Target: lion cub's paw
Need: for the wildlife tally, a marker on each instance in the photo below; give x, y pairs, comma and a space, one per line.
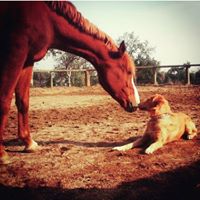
149, 150
119, 148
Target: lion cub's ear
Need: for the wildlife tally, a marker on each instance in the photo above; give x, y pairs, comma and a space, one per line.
158, 98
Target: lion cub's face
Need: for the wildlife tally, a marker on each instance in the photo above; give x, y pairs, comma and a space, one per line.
155, 105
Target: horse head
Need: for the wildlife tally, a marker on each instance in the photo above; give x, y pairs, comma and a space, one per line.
117, 78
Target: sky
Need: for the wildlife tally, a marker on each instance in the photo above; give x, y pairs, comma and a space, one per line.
171, 27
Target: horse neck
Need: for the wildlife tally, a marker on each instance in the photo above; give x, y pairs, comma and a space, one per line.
71, 39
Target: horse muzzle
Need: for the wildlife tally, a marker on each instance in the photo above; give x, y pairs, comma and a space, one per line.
130, 107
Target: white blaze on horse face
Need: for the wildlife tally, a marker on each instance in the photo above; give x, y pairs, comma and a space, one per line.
136, 94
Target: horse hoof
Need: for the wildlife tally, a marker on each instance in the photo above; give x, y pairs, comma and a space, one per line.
4, 160
32, 147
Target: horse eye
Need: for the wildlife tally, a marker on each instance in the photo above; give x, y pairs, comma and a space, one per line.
130, 72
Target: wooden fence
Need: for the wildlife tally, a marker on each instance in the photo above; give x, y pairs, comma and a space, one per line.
155, 70
87, 73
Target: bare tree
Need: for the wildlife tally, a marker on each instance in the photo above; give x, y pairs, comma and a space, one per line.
68, 61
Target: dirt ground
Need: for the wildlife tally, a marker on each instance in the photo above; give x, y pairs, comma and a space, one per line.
76, 129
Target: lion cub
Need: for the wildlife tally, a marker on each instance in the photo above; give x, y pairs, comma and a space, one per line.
163, 127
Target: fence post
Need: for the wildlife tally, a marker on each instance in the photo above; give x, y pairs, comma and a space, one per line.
51, 77
135, 79
32, 79
87, 78
69, 73
155, 76
187, 73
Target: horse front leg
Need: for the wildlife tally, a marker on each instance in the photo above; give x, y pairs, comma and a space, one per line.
8, 80
22, 102
11, 63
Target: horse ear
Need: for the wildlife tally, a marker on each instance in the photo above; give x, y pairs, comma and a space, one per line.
122, 48
120, 52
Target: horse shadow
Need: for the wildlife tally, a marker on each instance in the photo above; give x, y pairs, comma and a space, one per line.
181, 183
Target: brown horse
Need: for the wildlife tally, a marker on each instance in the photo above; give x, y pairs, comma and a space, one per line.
28, 30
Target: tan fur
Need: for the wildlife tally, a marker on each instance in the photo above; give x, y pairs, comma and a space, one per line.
163, 127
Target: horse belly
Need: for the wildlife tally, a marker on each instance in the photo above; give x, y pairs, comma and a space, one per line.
39, 55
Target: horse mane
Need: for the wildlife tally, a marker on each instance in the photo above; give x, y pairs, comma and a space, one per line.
67, 10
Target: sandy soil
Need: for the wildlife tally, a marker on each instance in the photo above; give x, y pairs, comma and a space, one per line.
76, 129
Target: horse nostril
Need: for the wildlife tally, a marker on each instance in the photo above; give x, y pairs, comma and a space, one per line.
130, 107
